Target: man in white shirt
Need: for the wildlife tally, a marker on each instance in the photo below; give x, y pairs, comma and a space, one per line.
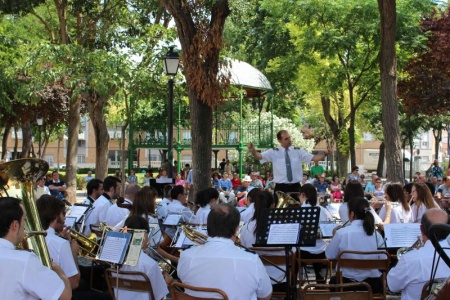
41, 188
111, 187
178, 204
161, 209
61, 250
115, 213
22, 275
413, 269
94, 190
57, 187
241, 274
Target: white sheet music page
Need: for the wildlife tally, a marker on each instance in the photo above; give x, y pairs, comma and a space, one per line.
401, 234
283, 234
172, 219
115, 246
76, 211
327, 228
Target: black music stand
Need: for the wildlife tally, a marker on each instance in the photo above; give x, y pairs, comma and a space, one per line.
307, 219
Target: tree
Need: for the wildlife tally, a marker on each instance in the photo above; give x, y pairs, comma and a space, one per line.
200, 27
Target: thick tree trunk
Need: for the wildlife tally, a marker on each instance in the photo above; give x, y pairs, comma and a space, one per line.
6, 132
388, 69
72, 148
381, 157
95, 107
26, 139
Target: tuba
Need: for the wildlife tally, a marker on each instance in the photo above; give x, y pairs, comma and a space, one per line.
285, 201
23, 173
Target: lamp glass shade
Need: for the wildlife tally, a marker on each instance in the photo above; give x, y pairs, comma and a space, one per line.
171, 65
39, 121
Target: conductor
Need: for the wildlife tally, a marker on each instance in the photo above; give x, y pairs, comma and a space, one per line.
287, 162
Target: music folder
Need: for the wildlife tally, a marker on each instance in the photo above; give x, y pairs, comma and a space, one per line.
115, 247
400, 235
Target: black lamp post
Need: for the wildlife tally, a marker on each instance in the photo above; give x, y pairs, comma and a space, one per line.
171, 62
39, 121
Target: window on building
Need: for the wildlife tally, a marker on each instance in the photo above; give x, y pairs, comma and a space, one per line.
81, 159
82, 143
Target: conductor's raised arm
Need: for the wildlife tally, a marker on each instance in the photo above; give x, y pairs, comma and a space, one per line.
253, 151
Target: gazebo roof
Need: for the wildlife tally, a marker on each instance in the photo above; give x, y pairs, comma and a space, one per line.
249, 78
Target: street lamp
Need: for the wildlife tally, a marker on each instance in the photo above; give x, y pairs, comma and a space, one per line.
39, 121
171, 63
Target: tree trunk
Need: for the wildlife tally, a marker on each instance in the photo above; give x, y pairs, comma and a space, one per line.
342, 164
95, 107
381, 157
437, 133
26, 139
388, 70
6, 132
201, 122
72, 148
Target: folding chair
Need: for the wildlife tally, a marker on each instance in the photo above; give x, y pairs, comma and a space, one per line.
309, 261
322, 291
382, 264
137, 285
178, 294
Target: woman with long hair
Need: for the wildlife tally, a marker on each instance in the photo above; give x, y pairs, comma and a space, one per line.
422, 200
396, 208
360, 235
206, 199
308, 197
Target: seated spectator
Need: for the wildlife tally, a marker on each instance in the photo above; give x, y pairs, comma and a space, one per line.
179, 180
256, 182
270, 184
226, 190
243, 191
236, 182
57, 187
335, 187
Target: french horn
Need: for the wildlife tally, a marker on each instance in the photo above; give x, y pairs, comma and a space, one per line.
285, 201
23, 173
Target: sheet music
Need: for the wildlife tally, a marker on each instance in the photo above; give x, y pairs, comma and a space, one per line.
172, 219
401, 234
163, 180
77, 211
327, 228
115, 246
283, 234
135, 247
70, 221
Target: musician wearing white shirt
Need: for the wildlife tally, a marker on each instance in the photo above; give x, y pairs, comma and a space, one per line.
22, 275
178, 204
94, 189
354, 189
396, 209
414, 268
360, 235
61, 250
206, 199
161, 209
248, 213
422, 201
220, 264
111, 186
119, 210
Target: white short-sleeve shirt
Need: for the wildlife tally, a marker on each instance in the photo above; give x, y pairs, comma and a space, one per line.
413, 271
151, 268
98, 213
61, 253
220, 264
115, 213
353, 237
22, 275
176, 207
343, 213
278, 158
398, 213
161, 209
248, 213
201, 217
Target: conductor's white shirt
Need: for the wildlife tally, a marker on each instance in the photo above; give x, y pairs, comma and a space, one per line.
151, 268
220, 264
413, 271
278, 158
22, 275
61, 253
353, 237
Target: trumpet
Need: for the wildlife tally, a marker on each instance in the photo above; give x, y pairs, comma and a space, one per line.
377, 201
417, 244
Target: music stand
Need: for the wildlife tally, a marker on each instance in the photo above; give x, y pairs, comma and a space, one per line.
288, 227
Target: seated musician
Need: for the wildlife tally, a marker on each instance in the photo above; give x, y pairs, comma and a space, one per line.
360, 235
119, 210
248, 213
94, 189
146, 265
178, 204
161, 209
308, 197
414, 268
22, 275
220, 264
206, 199
396, 209
247, 237
62, 250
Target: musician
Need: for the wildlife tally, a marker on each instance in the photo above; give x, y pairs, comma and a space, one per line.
146, 265
354, 189
220, 264
119, 210
360, 235
414, 268
248, 213
94, 189
63, 251
111, 186
422, 201
178, 204
206, 199
396, 209
22, 275
161, 209
287, 178
308, 197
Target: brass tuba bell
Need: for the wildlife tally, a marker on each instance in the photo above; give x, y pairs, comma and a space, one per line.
285, 201
23, 173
